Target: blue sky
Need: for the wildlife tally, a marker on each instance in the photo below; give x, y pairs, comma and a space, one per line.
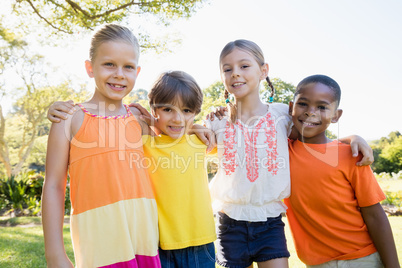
358, 43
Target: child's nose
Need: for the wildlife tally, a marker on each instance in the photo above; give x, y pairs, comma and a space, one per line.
311, 112
235, 73
177, 116
119, 73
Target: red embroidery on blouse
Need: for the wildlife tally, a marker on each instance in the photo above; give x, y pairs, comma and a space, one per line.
229, 163
250, 141
272, 153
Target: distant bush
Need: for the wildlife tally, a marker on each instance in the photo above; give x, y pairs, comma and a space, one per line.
21, 195
393, 198
389, 176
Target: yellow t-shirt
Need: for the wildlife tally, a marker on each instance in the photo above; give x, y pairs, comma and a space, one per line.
177, 169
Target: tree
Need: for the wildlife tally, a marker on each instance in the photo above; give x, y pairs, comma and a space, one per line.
67, 16
283, 91
388, 153
28, 122
137, 95
33, 98
213, 98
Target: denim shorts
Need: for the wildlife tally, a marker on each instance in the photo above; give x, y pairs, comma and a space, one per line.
195, 257
240, 243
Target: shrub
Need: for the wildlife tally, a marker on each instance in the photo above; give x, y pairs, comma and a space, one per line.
20, 195
13, 191
35, 184
393, 198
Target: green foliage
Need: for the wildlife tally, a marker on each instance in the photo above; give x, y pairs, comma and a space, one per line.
14, 192
136, 96
330, 134
213, 98
393, 198
20, 195
71, 16
283, 91
388, 153
60, 19
67, 201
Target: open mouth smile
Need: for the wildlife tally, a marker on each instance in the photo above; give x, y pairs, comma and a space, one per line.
309, 124
116, 86
238, 84
176, 129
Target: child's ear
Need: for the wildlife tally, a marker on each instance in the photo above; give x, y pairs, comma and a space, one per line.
138, 69
290, 107
264, 70
153, 113
338, 114
88, 67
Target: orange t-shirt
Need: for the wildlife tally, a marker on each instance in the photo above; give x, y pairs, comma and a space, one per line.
327, 189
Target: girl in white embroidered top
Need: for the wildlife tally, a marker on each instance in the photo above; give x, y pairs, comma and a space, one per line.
253, 176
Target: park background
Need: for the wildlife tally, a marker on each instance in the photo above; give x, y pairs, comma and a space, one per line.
358, 43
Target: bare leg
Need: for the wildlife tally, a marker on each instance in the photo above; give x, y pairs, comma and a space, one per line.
275, 263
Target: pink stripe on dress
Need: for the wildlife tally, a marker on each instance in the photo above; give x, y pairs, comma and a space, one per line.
140, 261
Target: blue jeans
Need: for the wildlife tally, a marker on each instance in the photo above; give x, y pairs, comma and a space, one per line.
195, 257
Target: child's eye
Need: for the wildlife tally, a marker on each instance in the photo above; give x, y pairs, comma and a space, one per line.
245, 66
226, 70
302, 104
167, 109
322, 107
109, 64
187, 111
129, 67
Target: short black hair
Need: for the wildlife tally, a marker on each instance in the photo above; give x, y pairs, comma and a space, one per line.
323, 79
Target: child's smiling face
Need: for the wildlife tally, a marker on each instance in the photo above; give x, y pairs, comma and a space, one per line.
115, 69
241, 74
314, 109
174, 120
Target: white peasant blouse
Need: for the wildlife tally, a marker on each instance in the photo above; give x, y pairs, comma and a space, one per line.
253, 175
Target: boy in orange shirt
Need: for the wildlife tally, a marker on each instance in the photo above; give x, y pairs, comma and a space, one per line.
334, 211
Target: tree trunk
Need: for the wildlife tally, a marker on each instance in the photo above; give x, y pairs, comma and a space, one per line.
4, 154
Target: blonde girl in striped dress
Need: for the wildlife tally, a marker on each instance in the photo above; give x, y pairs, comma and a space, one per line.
114, 219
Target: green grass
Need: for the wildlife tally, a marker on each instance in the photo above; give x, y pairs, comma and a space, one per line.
7, 222
22, 247
294, 262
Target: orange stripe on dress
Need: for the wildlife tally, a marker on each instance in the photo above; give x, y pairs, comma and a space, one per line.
106, 163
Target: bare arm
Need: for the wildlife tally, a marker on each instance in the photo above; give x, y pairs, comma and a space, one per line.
54, 193
358, 144
381, 233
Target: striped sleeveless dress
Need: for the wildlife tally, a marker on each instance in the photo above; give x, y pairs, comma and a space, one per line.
114, 220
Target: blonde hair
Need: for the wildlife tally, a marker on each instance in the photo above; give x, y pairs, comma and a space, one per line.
256, 52
112, 32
